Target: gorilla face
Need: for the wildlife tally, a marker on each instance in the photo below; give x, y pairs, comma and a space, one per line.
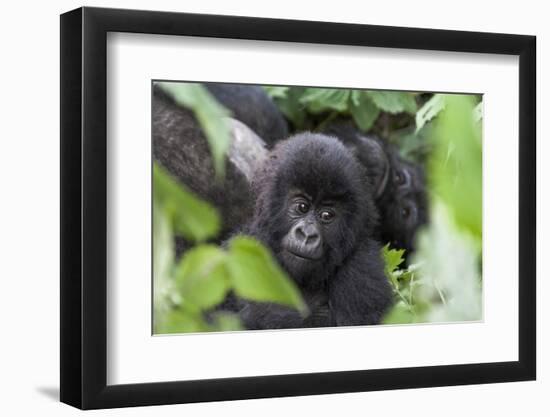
311, 226
312, 206
406, 206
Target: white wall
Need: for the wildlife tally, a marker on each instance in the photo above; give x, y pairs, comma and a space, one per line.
30, 205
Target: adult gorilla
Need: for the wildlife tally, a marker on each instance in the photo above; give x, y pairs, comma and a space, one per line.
315, 213
399, 186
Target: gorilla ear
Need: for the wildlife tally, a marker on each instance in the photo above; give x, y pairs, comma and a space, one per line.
247, 150
379, 163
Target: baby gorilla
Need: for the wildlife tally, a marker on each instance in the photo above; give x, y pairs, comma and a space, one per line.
314, 213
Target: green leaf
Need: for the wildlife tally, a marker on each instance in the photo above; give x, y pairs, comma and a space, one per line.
393, 101
455, 166
449, 268
478, 112
363, 110
291, 107
429, 110
178, 321
210, 115
319, 100
276, 91
392, 258
400, 314
202, 276
193, 218
224, 322
255, 275
163, 263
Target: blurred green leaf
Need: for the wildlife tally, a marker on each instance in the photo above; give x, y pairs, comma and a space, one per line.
400, 314
255, 275
210, 115
429, 110
202, 277
319, 100
363, 110
178, 321
449, 265
224, 322
478, 111
193, 218
393, 101
455, 166
163, 262
276, 91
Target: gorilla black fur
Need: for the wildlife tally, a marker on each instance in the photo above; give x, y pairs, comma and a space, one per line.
344, 286
400, 186
251, 105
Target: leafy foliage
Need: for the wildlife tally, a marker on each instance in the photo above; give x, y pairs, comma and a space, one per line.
443, 283
313, 107
429, 110
186, 289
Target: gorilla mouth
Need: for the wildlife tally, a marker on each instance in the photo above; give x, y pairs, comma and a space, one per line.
304, 256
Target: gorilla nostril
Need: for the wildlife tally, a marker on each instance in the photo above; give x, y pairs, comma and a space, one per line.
312, 240
300, 234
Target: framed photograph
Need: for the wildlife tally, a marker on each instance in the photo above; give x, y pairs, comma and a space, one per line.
258, 208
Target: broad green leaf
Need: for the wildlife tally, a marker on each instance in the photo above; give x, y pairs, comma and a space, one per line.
163, 263
210, 115
276, 91
363, 110
319, 100
193, 218
455, 167
178, 321
202, 276
393, 101
429, 110
255, 275
291, 107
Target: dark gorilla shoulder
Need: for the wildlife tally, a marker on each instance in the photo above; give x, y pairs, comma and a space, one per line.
251, 105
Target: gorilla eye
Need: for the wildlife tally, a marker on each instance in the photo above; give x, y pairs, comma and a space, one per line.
302, 207
405, 212
326, 215
399, 178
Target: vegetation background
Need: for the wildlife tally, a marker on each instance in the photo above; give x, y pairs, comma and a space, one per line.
442, 283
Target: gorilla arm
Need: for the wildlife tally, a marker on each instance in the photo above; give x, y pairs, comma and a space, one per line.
257, 315
360, 293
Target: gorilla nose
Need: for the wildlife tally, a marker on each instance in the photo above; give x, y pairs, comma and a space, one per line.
308, 235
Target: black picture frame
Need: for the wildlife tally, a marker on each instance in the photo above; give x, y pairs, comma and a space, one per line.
84, 207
